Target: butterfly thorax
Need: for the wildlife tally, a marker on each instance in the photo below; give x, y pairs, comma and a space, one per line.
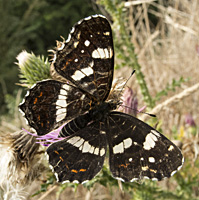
99, 112
96, 113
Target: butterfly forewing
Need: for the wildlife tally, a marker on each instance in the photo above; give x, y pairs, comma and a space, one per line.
87, 57
50, 103
79, 157
138, 151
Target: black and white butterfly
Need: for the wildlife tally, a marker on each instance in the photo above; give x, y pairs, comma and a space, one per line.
86, 62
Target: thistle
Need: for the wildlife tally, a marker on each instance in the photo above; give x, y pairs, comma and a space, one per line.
130, 102
33, 68
189, 121
47, 139
20, 161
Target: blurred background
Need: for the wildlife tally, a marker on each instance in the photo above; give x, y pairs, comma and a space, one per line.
160, 39
33, 26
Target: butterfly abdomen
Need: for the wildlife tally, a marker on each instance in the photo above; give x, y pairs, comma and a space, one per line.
75, 125
98, 113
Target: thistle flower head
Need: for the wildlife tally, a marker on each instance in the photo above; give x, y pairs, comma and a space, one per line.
6, 158
130, 102
189, 120
23, 59
47, 139
20, 162
33, 68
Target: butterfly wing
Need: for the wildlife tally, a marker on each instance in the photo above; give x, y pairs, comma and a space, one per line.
86, 60
79, 157
48, 104
87, 57
138, 151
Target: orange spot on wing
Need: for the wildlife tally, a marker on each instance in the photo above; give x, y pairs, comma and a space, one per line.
66, 64
82, 170
67, 166
42, 124
41, 93
35, 101
39, 117
56, 152
61, 158
75, 171
90, 104
125, 166
64, 67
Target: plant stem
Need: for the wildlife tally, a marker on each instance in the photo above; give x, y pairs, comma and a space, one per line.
116, 10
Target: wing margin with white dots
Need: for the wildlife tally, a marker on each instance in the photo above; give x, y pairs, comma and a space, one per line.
79, 157
137, 151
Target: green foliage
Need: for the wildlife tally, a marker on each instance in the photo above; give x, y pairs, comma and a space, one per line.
32, 68
32, 25
170, 87
124, 47
11, 103
44, 187
188, 180
143, 190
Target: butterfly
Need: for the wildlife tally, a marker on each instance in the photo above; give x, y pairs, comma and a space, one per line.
85, 61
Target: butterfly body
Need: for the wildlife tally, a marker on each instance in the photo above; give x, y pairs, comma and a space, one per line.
86, 63
97, 113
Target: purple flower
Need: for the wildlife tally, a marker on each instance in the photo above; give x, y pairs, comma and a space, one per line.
189, 120
49, 138
130, 102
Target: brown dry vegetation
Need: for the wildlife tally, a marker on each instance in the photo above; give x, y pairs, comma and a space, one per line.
169, 51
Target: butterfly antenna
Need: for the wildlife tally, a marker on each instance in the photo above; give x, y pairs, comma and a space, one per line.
151, 115
126, 82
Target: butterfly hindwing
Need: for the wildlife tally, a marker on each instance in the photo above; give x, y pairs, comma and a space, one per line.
79, 157
87, 57
50, 103
138, 151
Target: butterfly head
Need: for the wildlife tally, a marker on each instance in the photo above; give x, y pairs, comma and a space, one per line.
113, 104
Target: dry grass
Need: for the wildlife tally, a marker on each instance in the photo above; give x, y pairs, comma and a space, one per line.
166, 51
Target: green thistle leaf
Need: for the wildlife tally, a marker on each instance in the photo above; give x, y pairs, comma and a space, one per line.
32, 68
